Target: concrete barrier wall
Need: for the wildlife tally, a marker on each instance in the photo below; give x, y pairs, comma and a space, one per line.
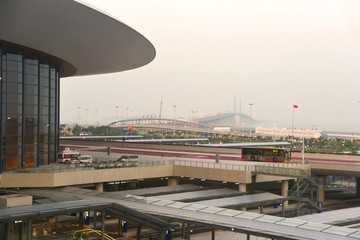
25, 180
213, 174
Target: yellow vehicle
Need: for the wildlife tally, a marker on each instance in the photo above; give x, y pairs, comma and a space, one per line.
267, 154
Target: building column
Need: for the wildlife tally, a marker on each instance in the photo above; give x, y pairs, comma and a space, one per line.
120, 227
213, 234
138, 232
320, 193
95, 219
172, 181
99, 187
358, 186
28, 229
284, 190
188, 231
81, 220
183, 230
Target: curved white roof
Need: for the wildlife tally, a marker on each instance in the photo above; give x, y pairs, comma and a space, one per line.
84, 37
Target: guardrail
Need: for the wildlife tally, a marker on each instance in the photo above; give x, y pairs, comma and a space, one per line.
282, 171
230, 166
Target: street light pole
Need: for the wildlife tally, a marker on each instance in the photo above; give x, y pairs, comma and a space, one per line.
117, 113
79, 114
95, 116
86, 116
250, 104
174, 118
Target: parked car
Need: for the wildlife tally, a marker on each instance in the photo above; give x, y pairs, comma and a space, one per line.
82, 159
128, 158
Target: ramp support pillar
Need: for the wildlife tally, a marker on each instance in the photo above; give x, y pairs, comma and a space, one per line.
242, 187
172, 181
320, 193
99, 187
284, 190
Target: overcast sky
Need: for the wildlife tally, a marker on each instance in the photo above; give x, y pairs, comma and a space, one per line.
270, 53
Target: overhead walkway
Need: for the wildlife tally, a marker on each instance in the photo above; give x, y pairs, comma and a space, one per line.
242, 201
222, 193
342, 217
155, 191
220, 218
25, 215
68, 175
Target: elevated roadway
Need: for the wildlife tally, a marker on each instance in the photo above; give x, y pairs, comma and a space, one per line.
321, 164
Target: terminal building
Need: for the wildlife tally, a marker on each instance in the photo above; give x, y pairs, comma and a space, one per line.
278, 133
41, 42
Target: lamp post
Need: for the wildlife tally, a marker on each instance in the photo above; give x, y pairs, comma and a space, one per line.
79, 114
86, 116
95, 116
174, 118
117, 113
127, 113
250, 104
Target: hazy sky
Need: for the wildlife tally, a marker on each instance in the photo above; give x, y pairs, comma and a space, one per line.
270, 53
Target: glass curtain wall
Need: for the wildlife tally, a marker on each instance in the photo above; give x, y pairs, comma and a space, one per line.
29, 87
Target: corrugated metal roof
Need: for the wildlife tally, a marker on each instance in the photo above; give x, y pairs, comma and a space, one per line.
238, 221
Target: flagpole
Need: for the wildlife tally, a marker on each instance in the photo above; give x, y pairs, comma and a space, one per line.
292, 127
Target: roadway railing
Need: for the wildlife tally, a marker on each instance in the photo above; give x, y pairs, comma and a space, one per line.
232, 166
280, 170
266, 167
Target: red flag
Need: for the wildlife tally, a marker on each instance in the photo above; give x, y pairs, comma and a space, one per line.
296, 106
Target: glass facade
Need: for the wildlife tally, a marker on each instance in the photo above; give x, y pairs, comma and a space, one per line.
29, 106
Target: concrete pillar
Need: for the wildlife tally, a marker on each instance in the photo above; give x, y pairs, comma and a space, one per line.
358, 186
242, 187
320, 193
172, 181
284, 190
99, 187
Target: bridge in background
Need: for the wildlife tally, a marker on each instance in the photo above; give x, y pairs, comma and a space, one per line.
199, 124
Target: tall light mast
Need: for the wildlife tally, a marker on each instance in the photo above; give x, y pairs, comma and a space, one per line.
161, 102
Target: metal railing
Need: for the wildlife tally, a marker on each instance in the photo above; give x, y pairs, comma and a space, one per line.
279, 170
276, 168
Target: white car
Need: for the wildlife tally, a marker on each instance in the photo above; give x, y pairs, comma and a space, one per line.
82, 159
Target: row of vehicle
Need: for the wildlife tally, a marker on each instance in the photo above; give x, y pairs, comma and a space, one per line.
68, 155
